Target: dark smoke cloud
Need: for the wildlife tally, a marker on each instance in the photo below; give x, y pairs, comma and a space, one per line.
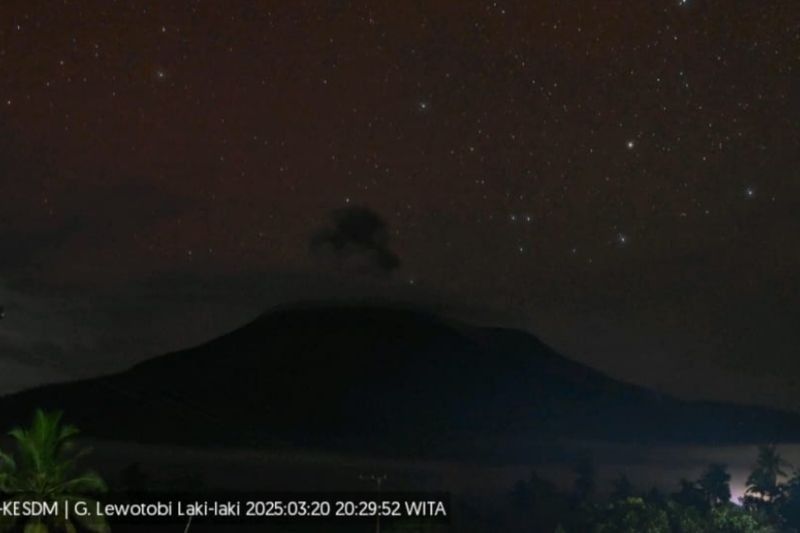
358, 236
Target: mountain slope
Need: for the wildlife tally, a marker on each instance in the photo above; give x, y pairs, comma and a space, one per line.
368, 378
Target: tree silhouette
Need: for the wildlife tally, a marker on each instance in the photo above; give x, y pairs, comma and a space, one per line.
541, 502
790, 504
715, 485
763, 484
690, 495
44, 469
622, 488
584, 481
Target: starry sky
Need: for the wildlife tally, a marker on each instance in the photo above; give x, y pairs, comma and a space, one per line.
618, 177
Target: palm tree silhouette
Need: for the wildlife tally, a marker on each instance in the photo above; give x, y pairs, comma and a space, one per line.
763, 484
44, 469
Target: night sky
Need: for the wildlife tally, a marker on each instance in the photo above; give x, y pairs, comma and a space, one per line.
619, 178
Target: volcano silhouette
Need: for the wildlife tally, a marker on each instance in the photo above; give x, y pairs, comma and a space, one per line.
381, 379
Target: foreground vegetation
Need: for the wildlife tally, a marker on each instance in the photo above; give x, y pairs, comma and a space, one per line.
771, 503
44, 469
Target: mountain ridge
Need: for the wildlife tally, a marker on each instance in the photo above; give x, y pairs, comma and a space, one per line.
369, 379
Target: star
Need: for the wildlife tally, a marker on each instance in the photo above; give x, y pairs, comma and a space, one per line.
750, 192
423, 105
630, 144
